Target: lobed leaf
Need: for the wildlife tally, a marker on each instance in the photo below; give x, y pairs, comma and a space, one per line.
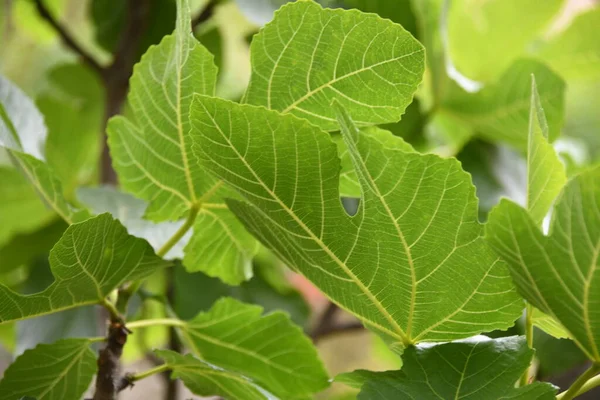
268, 349
308, 55
58, 371
151, 151
411, 263
91, 259
557, 273
150, 147
470, 370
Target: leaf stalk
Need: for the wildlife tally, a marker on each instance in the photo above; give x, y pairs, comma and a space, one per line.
586, 381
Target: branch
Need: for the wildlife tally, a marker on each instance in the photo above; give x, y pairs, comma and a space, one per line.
109, 380
67, 39
326, 325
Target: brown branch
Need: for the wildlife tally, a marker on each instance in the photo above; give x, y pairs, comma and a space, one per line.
327, 326
109, 380
67, 39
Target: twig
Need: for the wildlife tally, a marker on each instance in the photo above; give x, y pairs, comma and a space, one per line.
67, 39
326, 325
582, 382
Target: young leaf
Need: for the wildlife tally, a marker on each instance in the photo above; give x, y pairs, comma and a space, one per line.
557, 273
23, 135
58, 371
206, 380
411, 263
549, 325
470, 370
500, 112
92, 259
269, 349
308, 55
151, 149
545, 173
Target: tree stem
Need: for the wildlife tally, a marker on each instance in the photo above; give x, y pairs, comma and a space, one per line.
529, 337
586, 381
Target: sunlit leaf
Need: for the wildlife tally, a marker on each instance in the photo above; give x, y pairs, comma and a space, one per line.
408, 264
308, 55
490, 29
90, 260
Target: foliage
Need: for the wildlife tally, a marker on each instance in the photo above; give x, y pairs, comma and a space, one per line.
371, 141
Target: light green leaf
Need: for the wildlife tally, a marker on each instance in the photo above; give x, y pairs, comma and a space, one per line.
206, 380
21, 210
571, 53
500, 111
220, 247
557, 273
58, 371
23, 135
308, 55
489, 29
470, 370
545, 173
407, 264
269, 349
549, 325
150, 147
577, 58
92, 258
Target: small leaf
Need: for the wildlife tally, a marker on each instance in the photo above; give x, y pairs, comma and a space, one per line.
309, 55
58, 371
557, 273
545, 173
206, 380
470, 370
411, 263
90, 260
269, 349
500, 112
